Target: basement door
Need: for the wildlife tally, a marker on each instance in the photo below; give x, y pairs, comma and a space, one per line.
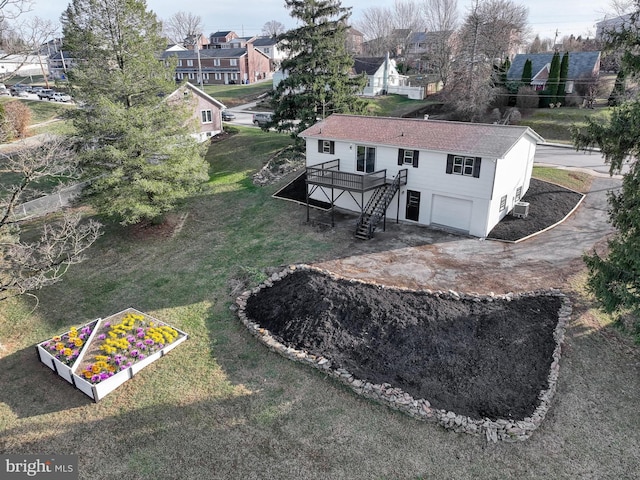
451, 212
413, 206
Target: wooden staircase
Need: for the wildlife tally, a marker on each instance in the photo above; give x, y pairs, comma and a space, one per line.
376, 208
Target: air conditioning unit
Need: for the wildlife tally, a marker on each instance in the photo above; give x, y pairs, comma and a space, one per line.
520, 209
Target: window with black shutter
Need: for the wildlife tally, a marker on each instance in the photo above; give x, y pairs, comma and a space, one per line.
326, 146
466, 166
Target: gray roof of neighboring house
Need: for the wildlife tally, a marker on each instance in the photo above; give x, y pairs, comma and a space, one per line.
221, 33
487, 140
265, 41
368, 65
207, 53
580, 64
418, 37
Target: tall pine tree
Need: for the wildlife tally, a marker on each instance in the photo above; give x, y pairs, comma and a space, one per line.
615, 277
131, 140
551, 90
527, 73
564, 73
318, 81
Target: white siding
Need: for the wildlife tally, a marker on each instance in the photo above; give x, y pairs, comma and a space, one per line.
480, 196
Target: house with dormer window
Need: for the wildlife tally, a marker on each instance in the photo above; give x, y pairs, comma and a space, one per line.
460, 176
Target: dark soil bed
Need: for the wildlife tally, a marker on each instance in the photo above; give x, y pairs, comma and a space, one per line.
548, 204
476, 358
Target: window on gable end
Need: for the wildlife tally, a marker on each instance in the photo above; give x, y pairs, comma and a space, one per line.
206, 116
326, 146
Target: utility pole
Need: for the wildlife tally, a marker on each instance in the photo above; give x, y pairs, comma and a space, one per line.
197, 47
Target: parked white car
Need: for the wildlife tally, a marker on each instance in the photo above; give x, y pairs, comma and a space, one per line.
60, 97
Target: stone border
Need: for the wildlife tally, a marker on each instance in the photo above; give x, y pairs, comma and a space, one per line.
396, 398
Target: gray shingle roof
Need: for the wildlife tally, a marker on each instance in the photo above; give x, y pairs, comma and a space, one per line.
484, 140
580, 64
369, 65
207, 53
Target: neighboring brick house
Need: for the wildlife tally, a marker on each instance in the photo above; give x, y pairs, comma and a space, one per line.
219, 38
354, 41
206, 116
462, 176
221, 65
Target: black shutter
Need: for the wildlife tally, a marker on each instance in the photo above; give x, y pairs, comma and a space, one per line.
332, 147
476, 167
400, 156
449, 163
415, 158
319, 146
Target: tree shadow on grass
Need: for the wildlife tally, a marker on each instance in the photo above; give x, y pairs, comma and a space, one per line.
30, 388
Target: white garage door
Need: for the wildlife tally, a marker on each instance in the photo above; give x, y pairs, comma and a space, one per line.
451, 212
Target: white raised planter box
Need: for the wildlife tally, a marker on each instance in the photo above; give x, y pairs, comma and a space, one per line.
73, 371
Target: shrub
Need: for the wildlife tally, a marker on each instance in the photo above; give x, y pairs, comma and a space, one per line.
516, 117
18, 119
572, 100
528, 98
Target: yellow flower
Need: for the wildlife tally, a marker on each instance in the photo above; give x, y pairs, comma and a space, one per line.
87, 374
67, 352
101, 358
95, 369
77, 342
111, 368
59, 346
56, 338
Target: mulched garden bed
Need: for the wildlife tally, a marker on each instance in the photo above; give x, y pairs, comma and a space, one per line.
548, 204
480, 358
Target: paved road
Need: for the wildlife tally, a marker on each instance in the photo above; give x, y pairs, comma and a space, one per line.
567, 156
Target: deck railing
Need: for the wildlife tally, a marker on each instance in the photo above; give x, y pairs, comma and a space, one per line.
329, 174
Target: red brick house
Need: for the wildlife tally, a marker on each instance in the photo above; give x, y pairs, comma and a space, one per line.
221, 65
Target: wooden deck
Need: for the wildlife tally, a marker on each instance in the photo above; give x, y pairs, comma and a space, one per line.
328, 174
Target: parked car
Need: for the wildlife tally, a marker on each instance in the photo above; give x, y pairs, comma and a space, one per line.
60, 97
4, 92
18, 87
262, 118
45, 94
36, 89
227, 116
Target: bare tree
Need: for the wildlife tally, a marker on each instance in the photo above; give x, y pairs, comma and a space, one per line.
376, 24
12, 9
273, 28
182, 25
407, 20
441, 19
27, 265
491, 30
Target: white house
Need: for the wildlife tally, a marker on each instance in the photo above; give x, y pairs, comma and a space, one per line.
383, 77
461, 176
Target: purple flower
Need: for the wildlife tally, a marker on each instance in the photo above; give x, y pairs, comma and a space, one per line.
139, 344
107, 324
104, 375
102, 336
129, 364
86, 331
95, 378
148, 341
82, 336
45, 344
134, 353
142, 356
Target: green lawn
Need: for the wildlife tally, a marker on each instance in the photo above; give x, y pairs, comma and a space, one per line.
553, 123
395, 105
234, 95
578, 181
222, 406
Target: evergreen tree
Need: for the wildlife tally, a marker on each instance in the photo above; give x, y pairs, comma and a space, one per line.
564, 73
619, 88
318, 81
615, 278
131, 140
554, 78
527, 73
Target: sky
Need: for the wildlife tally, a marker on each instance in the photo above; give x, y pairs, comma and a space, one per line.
246, 17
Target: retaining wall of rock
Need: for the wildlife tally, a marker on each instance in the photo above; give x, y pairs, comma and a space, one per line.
493, 430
